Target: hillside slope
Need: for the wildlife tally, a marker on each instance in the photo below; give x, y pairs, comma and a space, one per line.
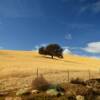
28, 61
18, 68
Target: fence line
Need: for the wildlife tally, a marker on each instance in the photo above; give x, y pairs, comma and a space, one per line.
68, 75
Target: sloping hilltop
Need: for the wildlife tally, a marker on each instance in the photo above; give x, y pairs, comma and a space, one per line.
19, 67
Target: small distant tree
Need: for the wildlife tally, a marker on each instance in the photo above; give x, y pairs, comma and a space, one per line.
52, 50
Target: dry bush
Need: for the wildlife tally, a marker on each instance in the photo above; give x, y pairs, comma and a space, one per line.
78, 81
40, 83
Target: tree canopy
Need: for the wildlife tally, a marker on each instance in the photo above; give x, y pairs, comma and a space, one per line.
52, 50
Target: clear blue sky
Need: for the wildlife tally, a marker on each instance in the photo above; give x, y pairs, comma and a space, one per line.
74, 24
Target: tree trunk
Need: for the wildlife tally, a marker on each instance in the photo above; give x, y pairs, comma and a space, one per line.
52, 56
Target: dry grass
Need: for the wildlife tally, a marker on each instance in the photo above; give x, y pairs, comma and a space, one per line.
18, 68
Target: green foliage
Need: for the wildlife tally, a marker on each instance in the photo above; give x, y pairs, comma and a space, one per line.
52, 50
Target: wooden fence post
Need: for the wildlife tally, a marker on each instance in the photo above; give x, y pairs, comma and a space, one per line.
99, 71
89, 72
37, 73
68, 75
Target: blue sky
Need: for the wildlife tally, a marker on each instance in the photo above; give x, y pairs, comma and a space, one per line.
28, 24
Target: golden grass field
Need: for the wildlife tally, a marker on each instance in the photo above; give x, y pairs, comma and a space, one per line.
18, 68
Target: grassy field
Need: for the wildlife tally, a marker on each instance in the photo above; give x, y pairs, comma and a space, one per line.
18, 68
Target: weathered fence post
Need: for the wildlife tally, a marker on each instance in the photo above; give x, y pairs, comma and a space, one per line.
99, 71
68, 75
37, 73
89, 72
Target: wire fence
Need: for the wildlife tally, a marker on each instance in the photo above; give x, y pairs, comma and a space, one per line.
67, 75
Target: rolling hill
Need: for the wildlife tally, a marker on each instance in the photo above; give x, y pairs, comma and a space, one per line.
18, 68
29, 60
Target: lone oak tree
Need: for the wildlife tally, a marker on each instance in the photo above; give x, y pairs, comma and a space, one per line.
52, 50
